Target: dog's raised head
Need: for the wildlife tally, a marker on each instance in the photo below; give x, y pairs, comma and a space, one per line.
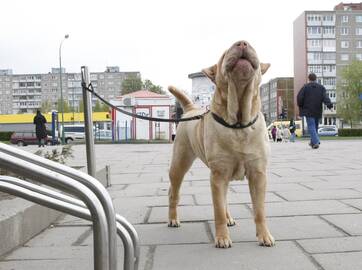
237, 76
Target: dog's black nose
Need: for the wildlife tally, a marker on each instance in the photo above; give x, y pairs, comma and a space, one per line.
243, 44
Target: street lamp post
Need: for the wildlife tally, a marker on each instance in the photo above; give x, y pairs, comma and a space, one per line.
61, 86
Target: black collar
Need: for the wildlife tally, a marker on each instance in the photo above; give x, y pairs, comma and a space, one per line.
237, 125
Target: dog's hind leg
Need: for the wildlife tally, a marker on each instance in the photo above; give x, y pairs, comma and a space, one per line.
257, 187
182, 159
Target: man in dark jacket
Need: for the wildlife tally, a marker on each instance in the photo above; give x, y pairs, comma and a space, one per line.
40, 128
310, 99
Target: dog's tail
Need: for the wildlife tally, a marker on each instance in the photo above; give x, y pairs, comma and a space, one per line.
185, 101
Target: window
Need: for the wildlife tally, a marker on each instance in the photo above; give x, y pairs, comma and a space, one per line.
328, 30
359, 56
359, 44
344, 44
314, 43
313, 18
329, 56
329, 81
314, 57
358, 31
344, 19
315, 69
344, 31
328, 18
329, 68
314, 30
344, 57
329, 45
358, 18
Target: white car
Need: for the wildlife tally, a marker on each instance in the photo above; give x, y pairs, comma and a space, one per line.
103, 134
330, 130
73, 133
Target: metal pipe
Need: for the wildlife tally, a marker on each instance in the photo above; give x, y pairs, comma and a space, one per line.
61, 87
64, 183
94, 185
75, 205
88, 122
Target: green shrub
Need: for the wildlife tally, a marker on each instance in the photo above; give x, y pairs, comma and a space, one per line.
5, 135
349, 132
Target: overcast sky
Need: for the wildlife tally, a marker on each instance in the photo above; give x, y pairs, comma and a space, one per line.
164, 40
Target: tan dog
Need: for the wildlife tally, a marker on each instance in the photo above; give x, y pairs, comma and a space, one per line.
230, 152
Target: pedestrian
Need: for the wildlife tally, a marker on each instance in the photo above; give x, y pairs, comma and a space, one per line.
310, 99
286, 134
274, 133
279, 134
40, 128
292, 128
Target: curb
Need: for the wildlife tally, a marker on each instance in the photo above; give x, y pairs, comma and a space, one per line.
20, 220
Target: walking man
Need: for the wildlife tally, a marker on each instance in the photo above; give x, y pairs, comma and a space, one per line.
310, 99
40, 128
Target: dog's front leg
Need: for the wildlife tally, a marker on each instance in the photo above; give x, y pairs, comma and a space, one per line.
219, 186
257, 187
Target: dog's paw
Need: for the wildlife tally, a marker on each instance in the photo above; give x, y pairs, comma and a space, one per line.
174, 223
266, 240
223, 242
231, 222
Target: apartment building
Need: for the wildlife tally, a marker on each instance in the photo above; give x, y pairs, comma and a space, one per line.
25, 93
277, 96
324, 43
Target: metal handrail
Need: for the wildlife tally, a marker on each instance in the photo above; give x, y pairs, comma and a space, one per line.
67, 184
129, 259
94, 185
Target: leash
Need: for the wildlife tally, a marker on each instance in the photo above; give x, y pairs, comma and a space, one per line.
196, 117
91, 89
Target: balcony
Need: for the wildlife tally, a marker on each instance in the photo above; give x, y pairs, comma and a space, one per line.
315, 49
329, 61
329, 73
314, 23
314, 36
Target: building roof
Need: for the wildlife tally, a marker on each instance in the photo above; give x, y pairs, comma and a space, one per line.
145, 94
196, 75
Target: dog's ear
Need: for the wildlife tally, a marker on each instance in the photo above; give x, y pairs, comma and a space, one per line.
264, 67
210, 72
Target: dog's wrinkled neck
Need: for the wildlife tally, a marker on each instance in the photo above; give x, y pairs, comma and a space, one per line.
239, 103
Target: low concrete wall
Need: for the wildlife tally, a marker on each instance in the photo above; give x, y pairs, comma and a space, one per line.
21, 220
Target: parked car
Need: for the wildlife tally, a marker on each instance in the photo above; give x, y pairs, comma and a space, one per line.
22, 138
328, 131
103, 134
73, 133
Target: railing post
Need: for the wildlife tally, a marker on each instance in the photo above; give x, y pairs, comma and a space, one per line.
88, 122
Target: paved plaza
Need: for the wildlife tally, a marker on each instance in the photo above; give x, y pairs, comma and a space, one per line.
313, 204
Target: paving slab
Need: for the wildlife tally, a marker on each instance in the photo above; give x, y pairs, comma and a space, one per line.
332, 245
307, 208
161, 234
351, 224
296, 195
238, 198
279, 187
60, 236
283, 228
340, 261
240, 256
196, 213
355, 203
